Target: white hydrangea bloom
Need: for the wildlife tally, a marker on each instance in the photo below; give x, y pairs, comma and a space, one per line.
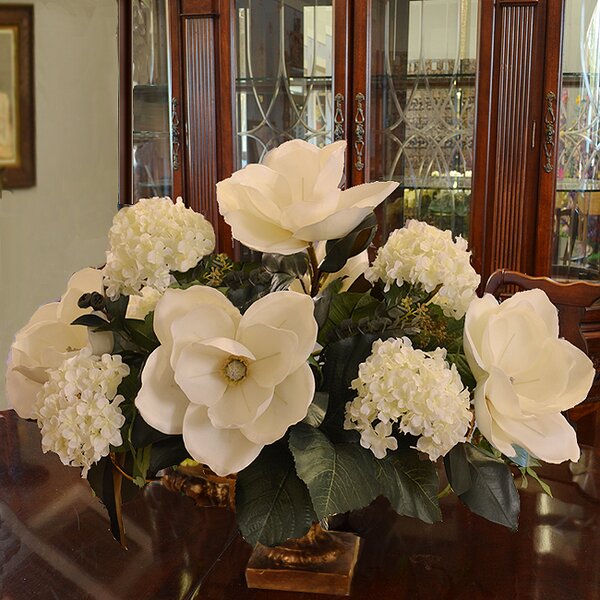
422, 254
150, 239
78, 409
144, 303
416, 390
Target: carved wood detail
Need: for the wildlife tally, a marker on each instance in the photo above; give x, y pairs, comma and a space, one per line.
201, 116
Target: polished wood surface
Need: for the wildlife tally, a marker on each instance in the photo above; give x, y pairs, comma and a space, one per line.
55, 542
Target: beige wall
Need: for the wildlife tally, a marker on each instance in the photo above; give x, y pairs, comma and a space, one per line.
59, 226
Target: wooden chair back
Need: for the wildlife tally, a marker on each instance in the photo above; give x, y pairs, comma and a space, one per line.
578, 305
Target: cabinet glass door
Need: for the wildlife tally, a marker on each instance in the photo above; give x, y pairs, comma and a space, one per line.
576, 236
422, 109
284, 69
151, 155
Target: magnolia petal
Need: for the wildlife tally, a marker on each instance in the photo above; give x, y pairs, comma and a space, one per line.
299, 162
240, 404
205, 322
265, 188
161, 401
367, 195
84, 281
334, 226
53, 336
500, 393
306, 214
476, 320
46, 312
289, 405
101, 342
547, 437
262, 235
176, 303
199, 373
331, 161
286, 310
537, 301
559, 379
273, 350
21, 393
486, 424
512, 339
225, 451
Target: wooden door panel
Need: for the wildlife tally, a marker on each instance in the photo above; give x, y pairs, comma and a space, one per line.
510, 83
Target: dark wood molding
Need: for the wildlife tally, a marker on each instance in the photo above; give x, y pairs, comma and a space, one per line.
22, 174
509, 98
548, 131
125, 104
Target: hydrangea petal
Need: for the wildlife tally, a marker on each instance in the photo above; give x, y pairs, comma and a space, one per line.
225, 451
161, 401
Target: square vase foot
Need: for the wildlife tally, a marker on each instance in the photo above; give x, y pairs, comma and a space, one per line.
321, 562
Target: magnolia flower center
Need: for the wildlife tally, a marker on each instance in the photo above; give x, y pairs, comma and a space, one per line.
235, 369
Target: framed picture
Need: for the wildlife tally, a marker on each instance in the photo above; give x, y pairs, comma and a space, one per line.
17, 107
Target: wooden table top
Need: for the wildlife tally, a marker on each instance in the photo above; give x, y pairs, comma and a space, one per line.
55, 542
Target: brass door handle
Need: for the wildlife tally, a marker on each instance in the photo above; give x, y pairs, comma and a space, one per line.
175, 134
549, 131
359, 132
338, 118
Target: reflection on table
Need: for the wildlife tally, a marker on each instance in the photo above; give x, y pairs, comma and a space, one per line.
55, 542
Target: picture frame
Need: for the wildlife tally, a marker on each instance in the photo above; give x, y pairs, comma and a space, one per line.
17, 101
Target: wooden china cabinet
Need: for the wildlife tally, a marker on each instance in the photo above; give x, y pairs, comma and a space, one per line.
485, 111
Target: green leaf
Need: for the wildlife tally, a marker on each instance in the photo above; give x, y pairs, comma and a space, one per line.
458, 469
317, 409
342, 359
545, 487
462, 366
323, 302
291, 264
143, 434
90, 321
130, 385
346, 477
142, 332
281, 282
339, 251
167, 453
141, 462
272, 503
411, 485
523, 458
109, 486
116, 309
492, 493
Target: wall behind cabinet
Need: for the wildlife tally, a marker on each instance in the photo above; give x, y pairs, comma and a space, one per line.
49, 231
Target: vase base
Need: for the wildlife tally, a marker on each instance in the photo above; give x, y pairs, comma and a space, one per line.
329, 572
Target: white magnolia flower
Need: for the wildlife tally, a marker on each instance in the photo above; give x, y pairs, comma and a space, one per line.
425, 255
293, 198
78, 408
230, 383
48, 339
415, 390
140, 305
525, 375
150, 239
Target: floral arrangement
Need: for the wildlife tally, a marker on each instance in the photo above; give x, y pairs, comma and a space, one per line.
321, 380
